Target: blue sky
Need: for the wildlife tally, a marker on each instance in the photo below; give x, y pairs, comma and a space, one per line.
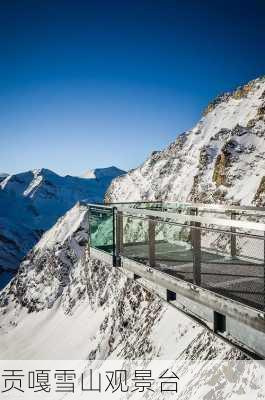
91, 84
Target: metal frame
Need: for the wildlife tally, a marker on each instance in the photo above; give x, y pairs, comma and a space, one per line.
215, 207
151, 241
196, 244
118, 236
186, 219
196, 224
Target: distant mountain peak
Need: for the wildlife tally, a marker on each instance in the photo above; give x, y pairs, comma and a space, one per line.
99, 173
43, 171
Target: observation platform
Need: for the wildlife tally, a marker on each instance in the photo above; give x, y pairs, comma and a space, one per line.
209, 260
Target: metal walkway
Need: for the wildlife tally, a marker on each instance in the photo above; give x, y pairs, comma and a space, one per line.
222, 251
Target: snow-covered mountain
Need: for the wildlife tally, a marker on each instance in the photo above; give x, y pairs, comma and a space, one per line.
221, 160
32, 201
64, 305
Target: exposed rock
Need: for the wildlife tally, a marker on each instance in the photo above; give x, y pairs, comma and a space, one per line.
260, 194
243, 91
219, 169
261, 111
218, 100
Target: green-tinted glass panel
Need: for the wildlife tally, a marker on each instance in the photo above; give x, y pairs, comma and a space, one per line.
101, 228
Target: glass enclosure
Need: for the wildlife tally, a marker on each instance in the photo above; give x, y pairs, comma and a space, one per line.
101, 228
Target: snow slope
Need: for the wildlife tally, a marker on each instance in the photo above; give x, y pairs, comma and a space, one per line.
32, 201
221, 160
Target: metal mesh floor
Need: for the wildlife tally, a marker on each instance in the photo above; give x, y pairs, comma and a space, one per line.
237, 278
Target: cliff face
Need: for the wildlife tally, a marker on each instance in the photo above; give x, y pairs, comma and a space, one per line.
222, 159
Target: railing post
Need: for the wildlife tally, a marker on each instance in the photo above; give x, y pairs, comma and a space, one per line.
151, 242
88, 230
196, 243
264, 275
119, 238
194, 211
233, 237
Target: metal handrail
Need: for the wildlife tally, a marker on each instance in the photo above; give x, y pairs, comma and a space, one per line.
184, 219
217, 207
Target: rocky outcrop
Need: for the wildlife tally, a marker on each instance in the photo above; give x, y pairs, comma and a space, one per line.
260, 195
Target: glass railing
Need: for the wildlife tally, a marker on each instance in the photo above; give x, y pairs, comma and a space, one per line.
226, 257
242, 213
101, 228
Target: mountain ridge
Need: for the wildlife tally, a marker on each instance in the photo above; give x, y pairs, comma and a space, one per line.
221, 159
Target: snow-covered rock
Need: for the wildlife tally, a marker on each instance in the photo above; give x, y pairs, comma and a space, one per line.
220, 160
31, 202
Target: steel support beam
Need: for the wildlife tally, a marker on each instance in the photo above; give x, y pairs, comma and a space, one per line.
233, 238
264, 278
151, 242
196, 244
89, 230
119, 237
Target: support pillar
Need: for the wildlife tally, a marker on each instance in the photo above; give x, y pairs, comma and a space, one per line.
264, 277
119, 238
233, 238
196, 244
151, 242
